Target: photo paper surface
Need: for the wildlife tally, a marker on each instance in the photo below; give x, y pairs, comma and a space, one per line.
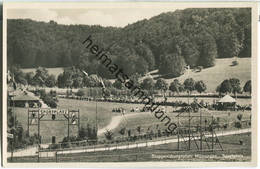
129, 84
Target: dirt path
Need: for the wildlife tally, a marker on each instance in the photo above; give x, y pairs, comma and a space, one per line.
115, 121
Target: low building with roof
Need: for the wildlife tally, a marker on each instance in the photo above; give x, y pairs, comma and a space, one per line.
24, 99
226, 103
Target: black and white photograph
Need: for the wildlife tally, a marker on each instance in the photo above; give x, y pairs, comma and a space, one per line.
124, 84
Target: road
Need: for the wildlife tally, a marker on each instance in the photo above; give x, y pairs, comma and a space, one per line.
146, 144
33, 151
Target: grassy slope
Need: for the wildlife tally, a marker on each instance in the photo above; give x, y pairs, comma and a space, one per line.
222, 70
215, 75
52, 71
212, 76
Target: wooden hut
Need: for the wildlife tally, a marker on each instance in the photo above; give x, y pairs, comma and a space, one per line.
226, 103
24, 100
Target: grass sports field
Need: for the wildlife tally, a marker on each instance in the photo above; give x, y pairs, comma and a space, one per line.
88, 115
147, 120
60, 128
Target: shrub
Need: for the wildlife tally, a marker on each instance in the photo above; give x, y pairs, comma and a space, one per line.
238, 125
225, 126
234, 63
80, 93
54, 146
122, 131
109, 135
53, 93
49, 101
239, 117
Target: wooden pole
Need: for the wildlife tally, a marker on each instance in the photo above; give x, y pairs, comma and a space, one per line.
78, 121
212, 134
189, 131
39, 139
56, 157
12, 151
68, 125
13, 140
178, 133
96, 116
200, 132
28, 128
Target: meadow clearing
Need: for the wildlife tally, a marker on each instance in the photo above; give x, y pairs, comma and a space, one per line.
212, 76
222, 70
52, 71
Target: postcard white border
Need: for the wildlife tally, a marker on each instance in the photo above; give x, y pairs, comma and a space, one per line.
166, 5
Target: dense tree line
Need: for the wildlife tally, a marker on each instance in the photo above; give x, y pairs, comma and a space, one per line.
167, 42
233, 86
74, 78
40, 78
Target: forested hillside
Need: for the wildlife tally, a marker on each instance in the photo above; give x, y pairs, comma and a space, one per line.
167, 42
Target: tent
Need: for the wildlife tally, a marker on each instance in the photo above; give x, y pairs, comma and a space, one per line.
227, 99
226, 103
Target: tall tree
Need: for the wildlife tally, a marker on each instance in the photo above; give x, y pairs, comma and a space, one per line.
200, 86
148, 84
61, 81
117, 84
247, 87
50, 81
225, 87
235, 84
29, 78
175, 86
172, 65
77, 82
208, 50
189, 85
41, 76
161, 85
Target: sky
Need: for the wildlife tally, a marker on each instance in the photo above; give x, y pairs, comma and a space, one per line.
119, 17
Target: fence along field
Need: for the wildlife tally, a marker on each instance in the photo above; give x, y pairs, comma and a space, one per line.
231, 146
